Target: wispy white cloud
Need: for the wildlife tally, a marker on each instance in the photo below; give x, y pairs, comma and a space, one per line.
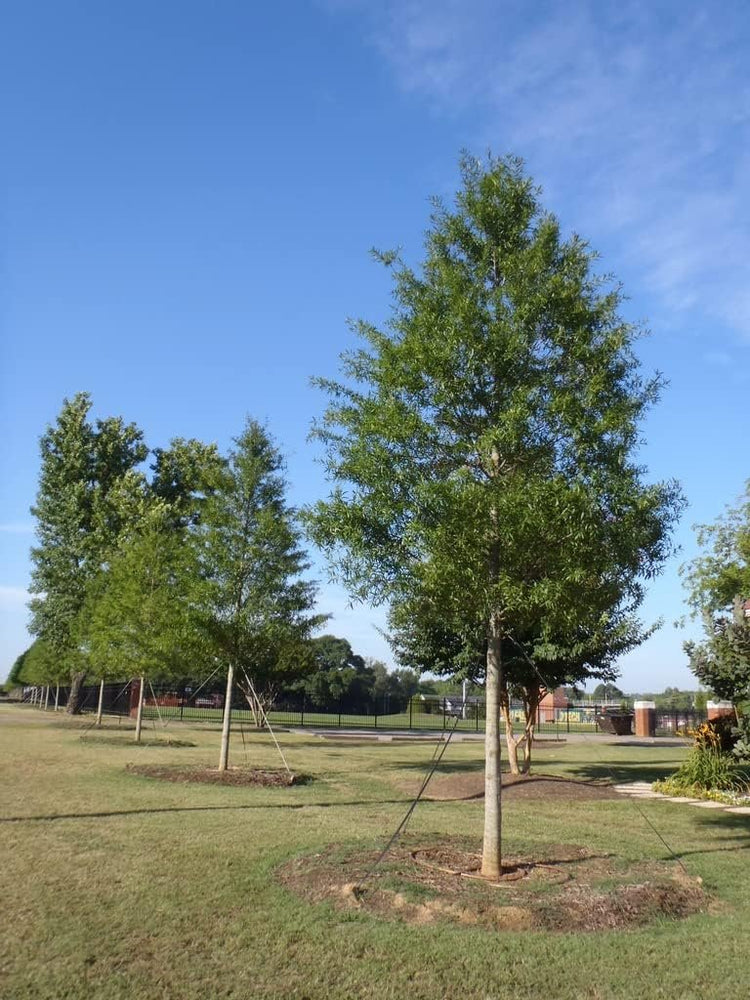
635, 116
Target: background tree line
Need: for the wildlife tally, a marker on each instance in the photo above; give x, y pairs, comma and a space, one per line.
191, 566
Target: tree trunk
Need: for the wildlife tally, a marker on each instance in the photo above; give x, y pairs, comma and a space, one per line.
491, 848
525, 741
57, 696
511, 740
527, 746
139, 713
101, 702
46, 697
75, 698
224, 754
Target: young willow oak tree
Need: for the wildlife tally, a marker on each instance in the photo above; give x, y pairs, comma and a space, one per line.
88, 486
484, 441
255, 605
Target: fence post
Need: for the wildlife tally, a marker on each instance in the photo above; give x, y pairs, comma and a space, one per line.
411, 706
476, 717
302, 716
567, 719
339, 711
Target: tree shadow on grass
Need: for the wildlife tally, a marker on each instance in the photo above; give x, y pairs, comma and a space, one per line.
626, 771
291, 806
451, 767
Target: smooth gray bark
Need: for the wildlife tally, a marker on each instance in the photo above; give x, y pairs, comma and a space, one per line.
226, 721
101, 702
491, 847
139, 713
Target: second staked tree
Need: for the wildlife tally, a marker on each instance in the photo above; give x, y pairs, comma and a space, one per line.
139, 616
254, 602
483, 443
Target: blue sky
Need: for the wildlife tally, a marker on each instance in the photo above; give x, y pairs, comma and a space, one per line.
190, 191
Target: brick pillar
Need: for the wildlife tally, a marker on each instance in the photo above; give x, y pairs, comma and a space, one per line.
645, 718
720, 710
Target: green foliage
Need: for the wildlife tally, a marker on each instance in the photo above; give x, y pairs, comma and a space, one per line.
184, 475
253, 601
139, 618
607, 692
718, 584
741, 735
483, 443
721, 573
42, 664
89, 488
15, 677
722, 660
675, 699
343, 678
709, 766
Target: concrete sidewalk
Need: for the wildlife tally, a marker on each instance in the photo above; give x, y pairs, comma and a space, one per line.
459, 736
643, 790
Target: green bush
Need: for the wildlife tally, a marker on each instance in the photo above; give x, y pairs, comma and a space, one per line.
741, 735
711, 765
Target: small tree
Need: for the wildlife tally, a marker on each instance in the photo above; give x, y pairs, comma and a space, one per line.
140, 619
255, 605
483, 444
718, 585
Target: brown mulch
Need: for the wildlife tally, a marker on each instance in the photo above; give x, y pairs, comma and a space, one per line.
560, 888
211, 776
523, 787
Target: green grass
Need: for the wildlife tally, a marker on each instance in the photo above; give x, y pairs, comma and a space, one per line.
117, 886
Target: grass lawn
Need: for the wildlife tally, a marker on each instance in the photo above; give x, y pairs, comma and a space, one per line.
119, 886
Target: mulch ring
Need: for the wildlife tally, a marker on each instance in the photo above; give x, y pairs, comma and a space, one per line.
561, 887
524, 787
211, 776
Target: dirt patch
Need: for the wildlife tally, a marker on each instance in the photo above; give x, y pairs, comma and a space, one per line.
562, 888
210, 776
524, 787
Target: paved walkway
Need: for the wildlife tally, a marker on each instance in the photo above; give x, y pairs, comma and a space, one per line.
643, 790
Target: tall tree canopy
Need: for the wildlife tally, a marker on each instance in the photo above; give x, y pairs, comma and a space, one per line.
255, 602
89, 486
483, 442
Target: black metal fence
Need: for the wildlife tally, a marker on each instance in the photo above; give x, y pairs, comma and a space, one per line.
678, 722
193, 702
